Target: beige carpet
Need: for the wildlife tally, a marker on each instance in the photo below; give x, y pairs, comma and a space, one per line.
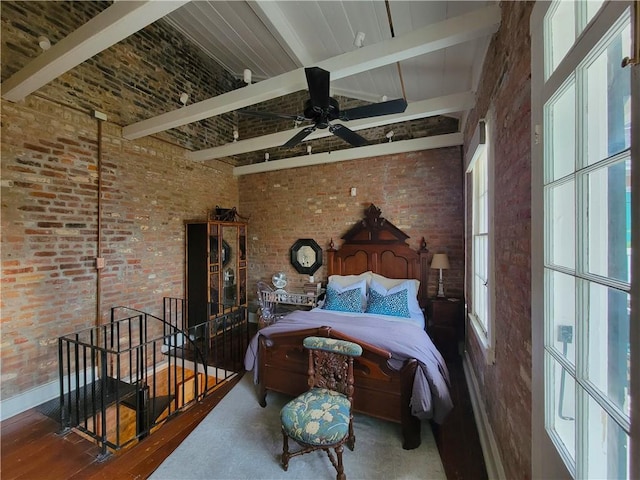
241, 440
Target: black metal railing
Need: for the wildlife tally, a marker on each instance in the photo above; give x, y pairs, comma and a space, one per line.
120, 380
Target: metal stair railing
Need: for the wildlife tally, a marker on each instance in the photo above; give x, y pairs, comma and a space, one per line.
141, 369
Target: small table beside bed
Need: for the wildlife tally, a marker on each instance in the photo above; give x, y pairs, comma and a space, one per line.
376, 291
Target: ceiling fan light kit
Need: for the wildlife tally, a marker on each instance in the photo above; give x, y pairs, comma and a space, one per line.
322, 109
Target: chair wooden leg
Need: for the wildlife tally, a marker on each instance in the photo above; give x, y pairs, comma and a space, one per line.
340, 466
285, 451
351, 440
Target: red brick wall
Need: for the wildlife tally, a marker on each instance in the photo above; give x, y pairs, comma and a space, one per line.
49, 228
49, 182
420, 193
49, 188
505, 87
137, 78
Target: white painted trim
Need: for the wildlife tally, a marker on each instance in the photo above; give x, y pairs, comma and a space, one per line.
271, 13
477, 146
488, 350
36, 396
476, 24
490, 451
110, 26
388, 148
425, 108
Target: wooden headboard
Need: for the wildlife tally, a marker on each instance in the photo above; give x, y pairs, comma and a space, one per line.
376, 244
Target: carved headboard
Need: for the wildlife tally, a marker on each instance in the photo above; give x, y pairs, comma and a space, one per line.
376, 244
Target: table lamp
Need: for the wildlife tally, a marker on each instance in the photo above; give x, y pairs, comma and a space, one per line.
441, 262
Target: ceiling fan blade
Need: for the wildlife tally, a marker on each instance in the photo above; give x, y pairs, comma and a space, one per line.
297, 118
374, 110
301, 135
318, 83
348, 135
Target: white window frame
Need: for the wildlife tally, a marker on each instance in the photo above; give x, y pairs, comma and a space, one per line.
483, 329
547, 458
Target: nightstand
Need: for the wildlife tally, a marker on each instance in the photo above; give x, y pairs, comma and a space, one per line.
445, 325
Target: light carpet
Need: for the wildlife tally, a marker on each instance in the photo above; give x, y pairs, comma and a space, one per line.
241, 440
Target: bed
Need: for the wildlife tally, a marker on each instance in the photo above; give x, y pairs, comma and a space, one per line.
400, 376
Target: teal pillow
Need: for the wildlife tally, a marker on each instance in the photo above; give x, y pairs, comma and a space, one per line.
394, 304
346, 301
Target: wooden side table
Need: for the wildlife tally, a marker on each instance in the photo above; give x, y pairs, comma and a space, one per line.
445, 325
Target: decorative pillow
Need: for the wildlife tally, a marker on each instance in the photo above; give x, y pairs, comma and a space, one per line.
346, 301
394, 304
388, 285
341, 286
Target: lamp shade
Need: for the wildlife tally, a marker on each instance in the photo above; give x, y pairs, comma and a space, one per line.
440, 261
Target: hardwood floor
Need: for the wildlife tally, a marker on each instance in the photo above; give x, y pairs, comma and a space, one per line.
32, 450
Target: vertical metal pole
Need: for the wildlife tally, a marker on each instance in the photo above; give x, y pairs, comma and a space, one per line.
61, 373
103, 401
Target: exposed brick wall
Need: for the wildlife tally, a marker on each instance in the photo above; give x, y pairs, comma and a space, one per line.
420, 193
137, 78
49, 228
49, 222
505, 87
49, 147
49, 182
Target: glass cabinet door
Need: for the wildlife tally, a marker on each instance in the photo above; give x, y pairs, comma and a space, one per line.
242, 264
215, 257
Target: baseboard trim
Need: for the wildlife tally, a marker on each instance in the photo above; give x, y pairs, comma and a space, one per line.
29, 399
490, 451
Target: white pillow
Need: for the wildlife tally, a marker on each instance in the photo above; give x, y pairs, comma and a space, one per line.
400, 284
341, 287
389, 283
346, 280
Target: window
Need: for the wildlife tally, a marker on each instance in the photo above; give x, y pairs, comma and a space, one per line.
584, 264
481, 286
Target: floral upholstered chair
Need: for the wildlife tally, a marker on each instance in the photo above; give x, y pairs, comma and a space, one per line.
321, 418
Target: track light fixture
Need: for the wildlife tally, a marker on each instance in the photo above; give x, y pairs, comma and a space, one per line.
184, 98
359, 40
266, 156
389, 135
309, 149
247, 76
236, 135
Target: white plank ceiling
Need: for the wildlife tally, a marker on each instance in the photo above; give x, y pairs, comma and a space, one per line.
429, 52
274, 37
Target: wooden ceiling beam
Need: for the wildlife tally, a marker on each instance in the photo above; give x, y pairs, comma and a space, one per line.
388, 148
464, 28
427, 108
110, 26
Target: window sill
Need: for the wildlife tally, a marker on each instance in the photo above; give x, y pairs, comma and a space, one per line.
486, 345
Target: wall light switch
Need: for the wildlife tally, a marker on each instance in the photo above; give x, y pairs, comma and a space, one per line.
353, 191
99, 262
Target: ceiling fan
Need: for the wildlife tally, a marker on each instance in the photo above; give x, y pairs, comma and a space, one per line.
321, 109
